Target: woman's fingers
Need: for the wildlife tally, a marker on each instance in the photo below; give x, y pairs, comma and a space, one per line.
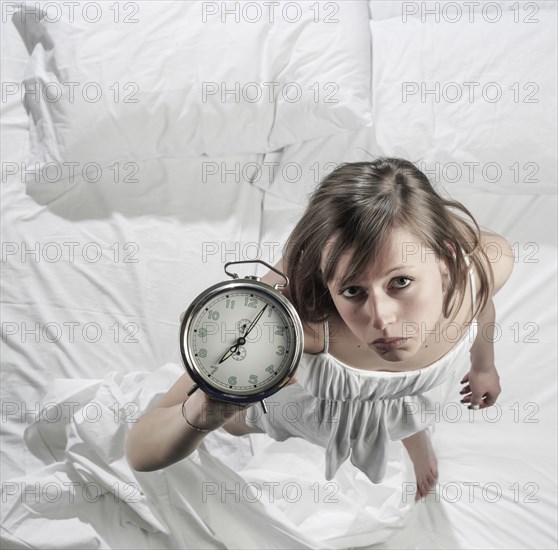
478, 402
293, 380
489, 400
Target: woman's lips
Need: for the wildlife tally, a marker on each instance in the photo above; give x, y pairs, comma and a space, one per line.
388, 345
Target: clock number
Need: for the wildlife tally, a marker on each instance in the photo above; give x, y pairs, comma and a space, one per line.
202, 353
214, 369
253, 379
202, 333
270, 369
230, 303
280, 331
250, 301
280, 350
214, 315
232, 380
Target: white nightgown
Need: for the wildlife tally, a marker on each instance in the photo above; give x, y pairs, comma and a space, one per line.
355, 413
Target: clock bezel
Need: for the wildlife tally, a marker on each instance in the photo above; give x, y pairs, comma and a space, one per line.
248, 284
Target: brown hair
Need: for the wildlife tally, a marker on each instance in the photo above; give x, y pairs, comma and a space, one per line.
360, 204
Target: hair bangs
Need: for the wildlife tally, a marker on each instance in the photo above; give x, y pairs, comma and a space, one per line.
364, 242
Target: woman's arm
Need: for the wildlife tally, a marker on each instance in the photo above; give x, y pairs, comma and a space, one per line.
162, 436
498, 249
482, 351
483, 381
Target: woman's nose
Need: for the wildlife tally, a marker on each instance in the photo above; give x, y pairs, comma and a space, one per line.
381, 311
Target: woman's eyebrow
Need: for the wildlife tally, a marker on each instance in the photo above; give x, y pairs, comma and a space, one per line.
403, 266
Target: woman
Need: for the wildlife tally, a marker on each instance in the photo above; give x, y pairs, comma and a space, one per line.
393, 289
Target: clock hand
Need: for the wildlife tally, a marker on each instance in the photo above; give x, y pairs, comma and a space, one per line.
240, 342
254, 322
229, 352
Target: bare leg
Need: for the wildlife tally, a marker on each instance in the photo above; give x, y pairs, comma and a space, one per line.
424, 460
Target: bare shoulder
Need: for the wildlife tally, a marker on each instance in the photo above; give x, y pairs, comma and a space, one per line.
314, 337
313, 332
501, 258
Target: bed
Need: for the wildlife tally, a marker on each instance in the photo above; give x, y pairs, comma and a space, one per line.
145, 144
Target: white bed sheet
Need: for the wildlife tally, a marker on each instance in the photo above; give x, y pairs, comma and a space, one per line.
170, 215
137, 238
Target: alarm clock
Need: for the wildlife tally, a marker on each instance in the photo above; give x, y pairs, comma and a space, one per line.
241, 340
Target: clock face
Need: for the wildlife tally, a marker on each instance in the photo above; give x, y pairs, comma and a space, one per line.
240, 340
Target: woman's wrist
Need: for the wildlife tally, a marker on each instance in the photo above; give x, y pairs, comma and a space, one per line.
194, 427
205, 415
482, 366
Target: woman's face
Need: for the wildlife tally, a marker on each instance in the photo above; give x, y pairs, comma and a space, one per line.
400, 297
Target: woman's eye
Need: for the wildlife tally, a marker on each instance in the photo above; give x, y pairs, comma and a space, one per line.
350, 292
354, 292
399, 279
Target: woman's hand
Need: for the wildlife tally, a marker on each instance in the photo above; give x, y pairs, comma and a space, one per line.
483, 387
207, 413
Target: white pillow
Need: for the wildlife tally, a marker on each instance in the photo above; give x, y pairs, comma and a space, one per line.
472, 121
452, 102
460, 11
151, 84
